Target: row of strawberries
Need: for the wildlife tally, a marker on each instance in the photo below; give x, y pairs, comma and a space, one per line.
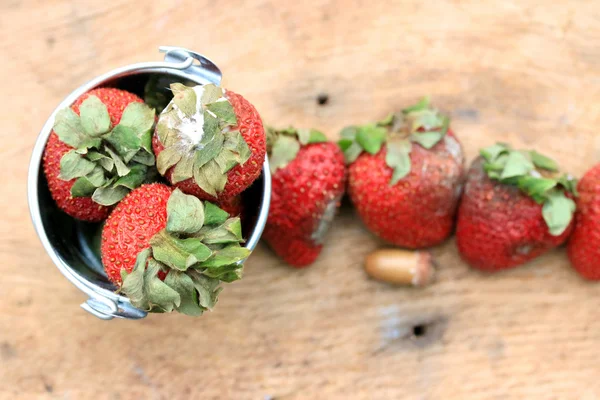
407, 182
169, 246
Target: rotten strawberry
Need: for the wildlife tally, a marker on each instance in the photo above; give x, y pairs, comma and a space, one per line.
516, 206
309, 178
209, 142
406, 175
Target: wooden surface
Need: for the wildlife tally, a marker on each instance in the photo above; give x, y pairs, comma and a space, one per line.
520, 71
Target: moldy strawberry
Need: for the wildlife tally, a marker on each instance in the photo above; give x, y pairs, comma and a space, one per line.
309, 178
515, 207
405, 175
209, 142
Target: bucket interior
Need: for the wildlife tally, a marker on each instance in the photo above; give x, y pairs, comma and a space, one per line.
77, 243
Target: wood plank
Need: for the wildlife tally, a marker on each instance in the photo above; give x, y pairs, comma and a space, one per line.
525, 72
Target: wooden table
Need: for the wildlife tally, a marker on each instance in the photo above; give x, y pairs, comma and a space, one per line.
526, 72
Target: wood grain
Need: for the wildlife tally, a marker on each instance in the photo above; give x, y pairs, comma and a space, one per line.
520, 71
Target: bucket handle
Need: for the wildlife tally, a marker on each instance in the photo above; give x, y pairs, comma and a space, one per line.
206, 69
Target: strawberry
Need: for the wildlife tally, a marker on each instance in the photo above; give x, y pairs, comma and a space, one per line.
233, 206
209, 142
169, 251
309, 177
115, 100
98, 151
515, 207
82, 208
405, 175
584, 245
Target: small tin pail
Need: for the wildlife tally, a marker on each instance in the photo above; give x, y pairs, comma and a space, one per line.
73, 245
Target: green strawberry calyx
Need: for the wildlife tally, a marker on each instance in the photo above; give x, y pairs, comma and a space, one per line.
107, 162
419, 123
196, 129
157, 91
198, 250
537, 176
283, 145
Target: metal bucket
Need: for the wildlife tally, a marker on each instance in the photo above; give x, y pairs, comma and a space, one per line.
74, 245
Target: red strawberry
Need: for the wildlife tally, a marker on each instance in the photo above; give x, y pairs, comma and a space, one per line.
584, 245
209, 142
115, 100
233, 206
88, 184
83, 208
295, 251
405, 176
309, 178
167, 250
129, 228
513, 209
